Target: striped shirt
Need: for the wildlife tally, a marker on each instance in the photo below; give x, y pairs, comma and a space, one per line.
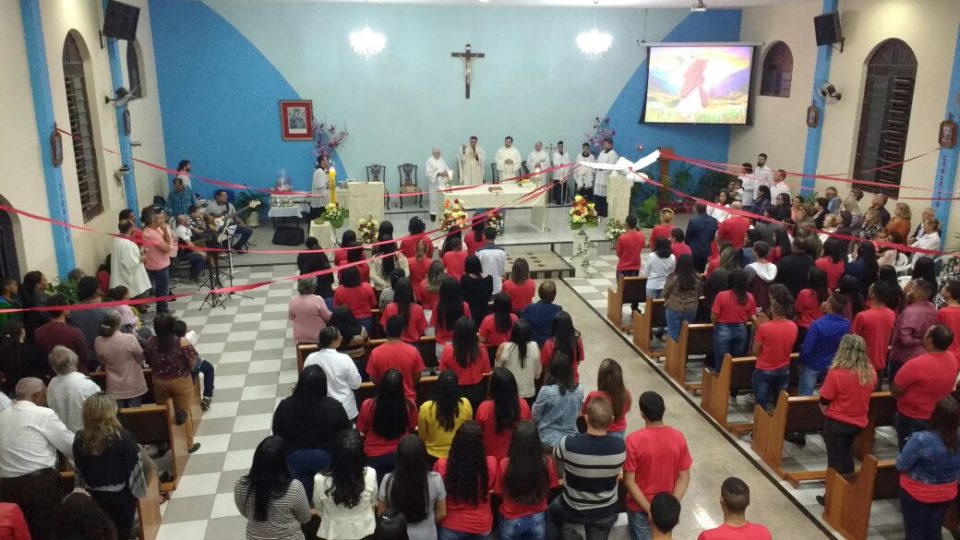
592, 466
284, 515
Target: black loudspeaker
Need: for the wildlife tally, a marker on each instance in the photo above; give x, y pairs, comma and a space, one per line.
827, 27
120, 21
288, 236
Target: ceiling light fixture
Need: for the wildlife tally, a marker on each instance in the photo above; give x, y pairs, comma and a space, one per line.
367, 42
594, 44
699, 7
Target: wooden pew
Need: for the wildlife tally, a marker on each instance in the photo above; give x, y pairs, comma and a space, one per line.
847, 502
155, 424
791, 415
196, 410
426, 345
653, 316
148, 508
734, 374
630, 290
424, 389
882, 408
695, 339
100, 377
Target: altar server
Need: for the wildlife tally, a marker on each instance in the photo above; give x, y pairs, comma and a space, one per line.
583, 176
560, 158
607, 155
438, 176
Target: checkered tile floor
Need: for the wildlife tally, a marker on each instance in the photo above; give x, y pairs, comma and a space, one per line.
885, 517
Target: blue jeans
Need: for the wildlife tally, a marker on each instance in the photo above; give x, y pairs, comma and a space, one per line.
675, 321
367, 324
653, 294
905, 427
130, 403
728, 338
207, 369
922, 521
639, 525
809, 378
304, 464
768, 384
160, 280
559, 514
532, 527
244, 233
444, 533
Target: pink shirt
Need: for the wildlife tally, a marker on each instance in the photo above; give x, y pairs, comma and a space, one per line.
309, 314
153, 241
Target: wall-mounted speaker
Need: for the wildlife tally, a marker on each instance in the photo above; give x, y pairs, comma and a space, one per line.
827, 27
120, 21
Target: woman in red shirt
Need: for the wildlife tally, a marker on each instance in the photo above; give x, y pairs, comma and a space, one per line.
499, 415
565, 339
411, 313
663, 229
520, 288
348, 238
475, 239
455, 258
449, 308
610, 386
468, 476
523, 484
730, 312
356, 295
497, 326
355, 254
807, 305
468, 360
832, 262
384, 420
428, 288
408, 244
419, 263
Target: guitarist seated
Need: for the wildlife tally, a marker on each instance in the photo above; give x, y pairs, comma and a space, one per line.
220, 208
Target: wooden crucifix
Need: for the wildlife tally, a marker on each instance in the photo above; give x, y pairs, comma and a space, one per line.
467, 55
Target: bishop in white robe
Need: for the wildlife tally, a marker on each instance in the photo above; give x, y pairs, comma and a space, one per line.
126, 264
471, 160
559, 159
438, 177
583, 176
508, 160
607, 155
536, 158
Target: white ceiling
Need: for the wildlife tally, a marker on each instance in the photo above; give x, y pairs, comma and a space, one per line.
655, 4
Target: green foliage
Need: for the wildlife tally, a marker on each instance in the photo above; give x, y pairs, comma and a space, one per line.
244, 198
648, 213
712, 182
65, 288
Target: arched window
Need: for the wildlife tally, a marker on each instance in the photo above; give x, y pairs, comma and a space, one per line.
134, 77
885, 114
81, 126
777, 71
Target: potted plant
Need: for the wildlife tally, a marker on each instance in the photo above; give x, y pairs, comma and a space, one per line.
257, 201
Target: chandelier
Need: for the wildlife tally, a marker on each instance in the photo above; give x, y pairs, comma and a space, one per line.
367, 43
594, 44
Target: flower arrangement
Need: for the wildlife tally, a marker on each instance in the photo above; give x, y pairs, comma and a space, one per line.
453, 215
584, 255
326, 139
334, 214
583, 213
601, 131
615, 229
495, 220
367, 230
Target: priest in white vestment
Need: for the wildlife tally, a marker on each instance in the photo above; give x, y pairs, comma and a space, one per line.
320, 187
583, 176
508, 160
607, 155
126, 263
438, 177
537, 157
560, 158
471, 159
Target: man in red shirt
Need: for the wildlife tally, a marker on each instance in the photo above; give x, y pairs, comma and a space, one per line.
875, 325
734, 500
658, 461
677, 246
923, 381
772, 347
629, 246
58, 332
395, 353
734, 229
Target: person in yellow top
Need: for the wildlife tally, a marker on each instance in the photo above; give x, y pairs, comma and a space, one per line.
442, 416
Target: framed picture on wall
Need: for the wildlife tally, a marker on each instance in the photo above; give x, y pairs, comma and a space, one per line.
296, 120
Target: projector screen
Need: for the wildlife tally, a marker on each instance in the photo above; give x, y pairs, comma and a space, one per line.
699, 84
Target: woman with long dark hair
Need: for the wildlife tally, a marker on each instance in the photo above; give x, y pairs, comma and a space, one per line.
353, 336
865, 266
475, 239
392, 525
521, 356
468, 475
850, 287
833, 261
356, 295
450, 307
808, 301
454, 258
477, 289
558, 403
781, 208
274, 503
929, 466
356, 254
468, 360
498, 415
346, 240
896, 300
346, 496
565, 340
729, 314
384, 420
309, 263
33, 294
453, 240
388, 260
610, 386
520, 287
924, 268
79, 516
414, 491
782, 245
496, 327
442, 416
523, 483
309, 421
173, 364
385, 231
762, 201
681, 293
403, 306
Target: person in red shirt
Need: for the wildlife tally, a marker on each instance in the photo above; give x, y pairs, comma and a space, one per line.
520, 288
496, 327
475, 238
455, 258
734, 229
411, 314
408, 244
59, 332
658, 461
499, 415
832, 262
610, 386
845, 402
468, 476
426, 290
663, 229
13, 526
875, 326
677, 245
949, 315
384, 420
419, 263
628, 248
566, 339
355, 254
734, 500
347, 240
729, 314
923, 381
395, 354
468, 360
356, 295
772, 347
808, 302
523, 483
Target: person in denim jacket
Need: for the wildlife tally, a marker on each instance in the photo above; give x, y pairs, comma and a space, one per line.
558, 404
929, 468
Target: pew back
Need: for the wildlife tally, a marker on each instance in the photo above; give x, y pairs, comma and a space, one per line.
630, 290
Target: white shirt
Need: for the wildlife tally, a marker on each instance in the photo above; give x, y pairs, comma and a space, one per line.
65, 396
583, 176
29, 439
186, 179
338, 521
926, 241
501, 157
436, 166
183, 233
560, 159
320, 185
342, 377
126, 268
777, 188
493, 261
764, 174
5, 402
750, 185
718, 214
600, 180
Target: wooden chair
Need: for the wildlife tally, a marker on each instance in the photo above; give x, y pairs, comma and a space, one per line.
791, 415
155, 424
695, 339
378, 173
495, 173
630, 290
653, 316
409, 182
847, 502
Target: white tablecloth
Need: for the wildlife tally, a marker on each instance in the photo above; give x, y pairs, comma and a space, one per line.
296, 211
505, 196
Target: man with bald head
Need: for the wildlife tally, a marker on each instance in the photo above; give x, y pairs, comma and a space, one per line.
438, 176
538, 157
30, 437
879, 204
735, 228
